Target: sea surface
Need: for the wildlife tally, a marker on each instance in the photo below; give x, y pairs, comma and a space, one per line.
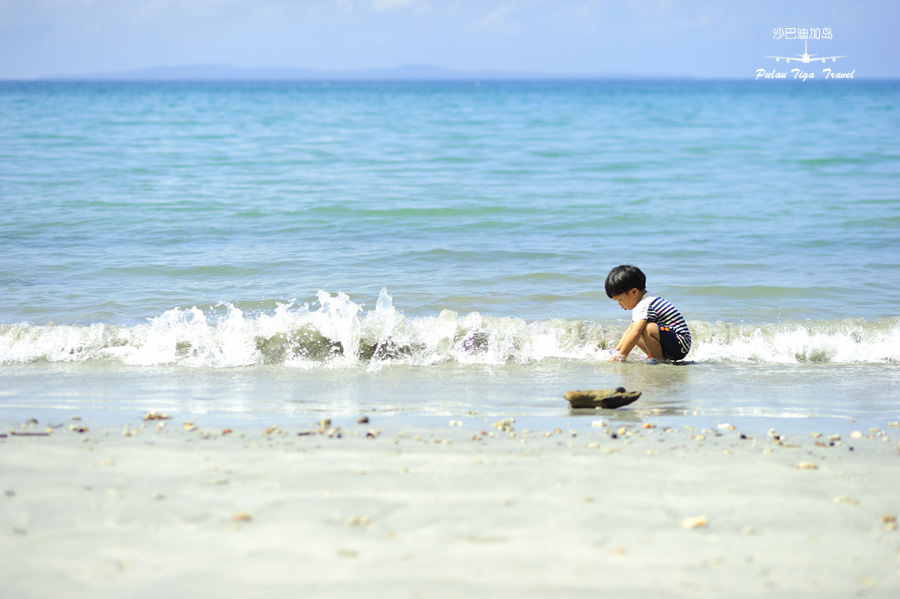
428, 250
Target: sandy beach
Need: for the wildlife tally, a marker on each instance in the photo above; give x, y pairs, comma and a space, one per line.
168, 508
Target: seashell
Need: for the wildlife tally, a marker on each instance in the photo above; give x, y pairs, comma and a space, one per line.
601, 398
694, 522
807, 466
847, 500
359, 521
151, 415
242, 517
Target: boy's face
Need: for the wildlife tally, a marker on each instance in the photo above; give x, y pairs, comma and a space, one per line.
629, 299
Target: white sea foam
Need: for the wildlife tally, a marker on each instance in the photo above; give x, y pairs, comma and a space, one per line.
336, 332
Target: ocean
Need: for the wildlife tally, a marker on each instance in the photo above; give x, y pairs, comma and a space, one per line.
419, 251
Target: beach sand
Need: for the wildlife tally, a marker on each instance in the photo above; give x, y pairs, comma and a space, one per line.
471, 507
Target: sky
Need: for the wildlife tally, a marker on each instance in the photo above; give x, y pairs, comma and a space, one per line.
644, 38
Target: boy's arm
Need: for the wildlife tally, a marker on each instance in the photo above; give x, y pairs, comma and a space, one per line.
630, 338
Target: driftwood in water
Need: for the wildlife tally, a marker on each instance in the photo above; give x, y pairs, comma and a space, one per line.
601, 398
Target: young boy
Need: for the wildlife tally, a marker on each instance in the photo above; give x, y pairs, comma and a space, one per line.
657, 327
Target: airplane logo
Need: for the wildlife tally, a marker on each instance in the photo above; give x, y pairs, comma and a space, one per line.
806, 57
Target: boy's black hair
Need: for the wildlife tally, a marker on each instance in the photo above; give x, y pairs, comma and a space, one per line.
623, 279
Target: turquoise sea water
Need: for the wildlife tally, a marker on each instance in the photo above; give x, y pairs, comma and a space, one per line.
426, 248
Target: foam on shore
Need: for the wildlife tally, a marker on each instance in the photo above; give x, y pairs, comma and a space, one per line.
337, 332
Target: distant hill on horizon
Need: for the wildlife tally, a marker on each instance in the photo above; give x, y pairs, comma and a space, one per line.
219, 72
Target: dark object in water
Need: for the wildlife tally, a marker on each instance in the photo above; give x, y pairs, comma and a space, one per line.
601, 398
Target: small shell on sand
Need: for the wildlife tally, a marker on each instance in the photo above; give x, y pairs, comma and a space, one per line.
505, 425
242, 517
846, 500
807, 466
151, 415
694, 522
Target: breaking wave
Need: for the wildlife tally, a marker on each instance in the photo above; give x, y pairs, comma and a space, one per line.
336, 332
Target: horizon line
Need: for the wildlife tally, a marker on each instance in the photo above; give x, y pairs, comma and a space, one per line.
224, 72
214, 72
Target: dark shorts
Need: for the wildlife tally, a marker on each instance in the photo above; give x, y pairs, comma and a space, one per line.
671, 348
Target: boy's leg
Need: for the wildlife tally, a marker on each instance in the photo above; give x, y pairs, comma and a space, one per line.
649, 341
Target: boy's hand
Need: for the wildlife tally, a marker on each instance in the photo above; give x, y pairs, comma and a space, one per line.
615, 356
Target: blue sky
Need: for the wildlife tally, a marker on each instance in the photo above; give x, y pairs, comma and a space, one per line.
699, 38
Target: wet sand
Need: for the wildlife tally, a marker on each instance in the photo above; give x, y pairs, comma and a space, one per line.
474, 506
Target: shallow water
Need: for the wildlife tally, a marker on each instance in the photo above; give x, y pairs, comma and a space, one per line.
422, 249
757, 396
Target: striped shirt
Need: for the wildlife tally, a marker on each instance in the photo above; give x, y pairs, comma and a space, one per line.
655, 309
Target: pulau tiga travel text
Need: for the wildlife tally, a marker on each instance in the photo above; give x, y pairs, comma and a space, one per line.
796, 73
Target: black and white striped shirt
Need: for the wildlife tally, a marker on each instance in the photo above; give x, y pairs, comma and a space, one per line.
655, 309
